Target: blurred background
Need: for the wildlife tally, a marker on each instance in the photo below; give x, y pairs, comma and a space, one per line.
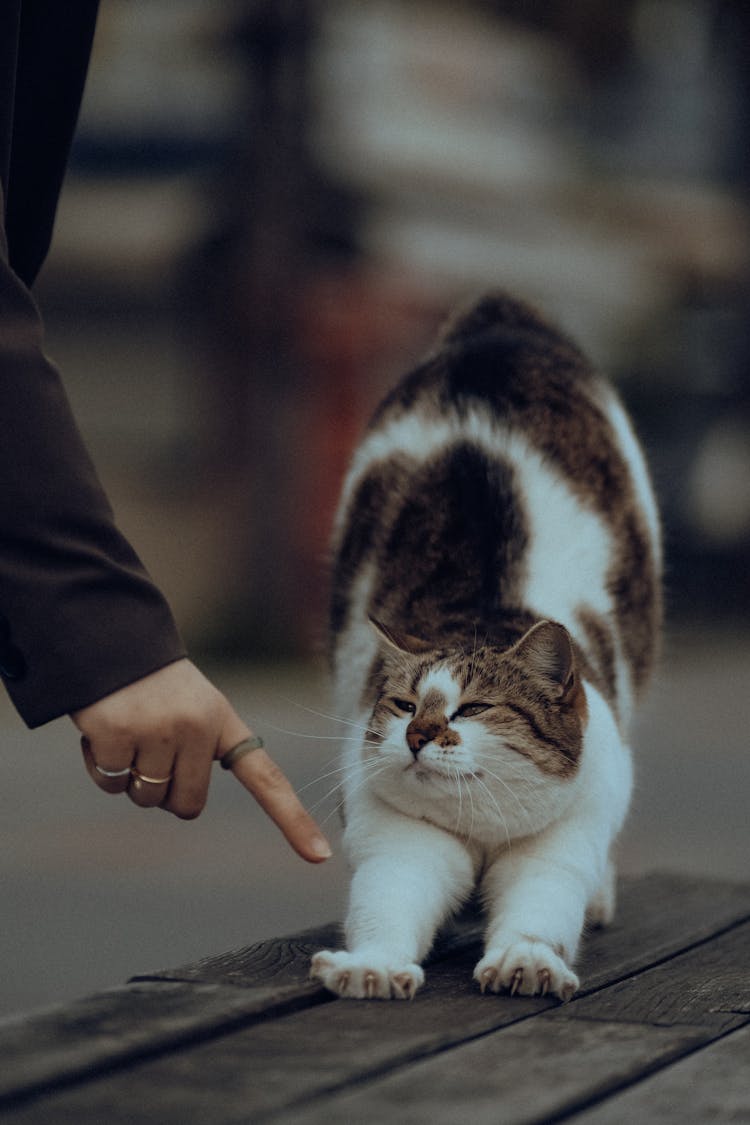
271, 206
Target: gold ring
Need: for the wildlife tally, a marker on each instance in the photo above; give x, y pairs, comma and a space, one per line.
232, 757
150, 780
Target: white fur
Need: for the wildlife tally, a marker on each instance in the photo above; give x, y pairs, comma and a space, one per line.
418, 839
421, 832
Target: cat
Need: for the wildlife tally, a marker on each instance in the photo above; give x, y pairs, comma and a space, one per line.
495, 613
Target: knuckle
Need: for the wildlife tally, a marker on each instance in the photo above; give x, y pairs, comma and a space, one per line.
187, 813
189, 722
187, 807
188, 800
190, 728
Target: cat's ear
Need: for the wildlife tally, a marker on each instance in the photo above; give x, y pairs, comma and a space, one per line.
547, 650
404, 642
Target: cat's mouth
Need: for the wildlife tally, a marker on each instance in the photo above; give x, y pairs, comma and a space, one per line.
430, 771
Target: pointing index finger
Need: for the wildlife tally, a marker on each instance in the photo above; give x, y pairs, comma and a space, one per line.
271, 789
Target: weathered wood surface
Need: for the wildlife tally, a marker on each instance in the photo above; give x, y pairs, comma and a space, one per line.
247, 1037
710, 1086
150, 1016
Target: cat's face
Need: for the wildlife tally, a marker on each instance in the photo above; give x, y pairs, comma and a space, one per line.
477, 738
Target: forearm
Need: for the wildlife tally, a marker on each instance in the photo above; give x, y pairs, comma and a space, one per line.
83, 617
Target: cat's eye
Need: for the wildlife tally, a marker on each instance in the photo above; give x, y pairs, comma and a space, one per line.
469, 710
405, 705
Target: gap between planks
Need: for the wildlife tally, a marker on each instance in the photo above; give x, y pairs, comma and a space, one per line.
217, 1077
656, 909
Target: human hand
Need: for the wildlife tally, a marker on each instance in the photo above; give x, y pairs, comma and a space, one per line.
157, 738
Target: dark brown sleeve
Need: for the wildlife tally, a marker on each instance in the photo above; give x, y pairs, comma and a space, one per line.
79, 616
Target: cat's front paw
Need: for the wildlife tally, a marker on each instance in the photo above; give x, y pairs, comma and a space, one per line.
365, 977
526, 967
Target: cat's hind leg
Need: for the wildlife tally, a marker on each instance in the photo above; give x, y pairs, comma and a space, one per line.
601, 908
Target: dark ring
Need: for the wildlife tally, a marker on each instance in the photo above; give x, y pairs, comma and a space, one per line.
232, 757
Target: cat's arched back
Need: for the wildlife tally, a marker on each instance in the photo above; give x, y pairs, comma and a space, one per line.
500, 483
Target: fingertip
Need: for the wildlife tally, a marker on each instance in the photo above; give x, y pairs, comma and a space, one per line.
319, 850
270, 787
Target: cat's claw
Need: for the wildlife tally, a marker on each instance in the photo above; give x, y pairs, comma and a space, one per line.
487, 979
366, 978
526, 968
407, 984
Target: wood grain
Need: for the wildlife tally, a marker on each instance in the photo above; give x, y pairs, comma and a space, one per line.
122, 1025
658, 913
528, 1073
667, 989
282, 961
712, 1085
568, 1056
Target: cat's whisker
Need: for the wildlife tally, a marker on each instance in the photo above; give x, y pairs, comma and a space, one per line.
470, 833
324, 715
308, 737
498, 810
524, 810
324, 777
457, 774
348, 770
354, 790
518, 773
328, 773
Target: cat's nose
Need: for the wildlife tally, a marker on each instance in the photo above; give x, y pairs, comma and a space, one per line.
418, 734
415, 740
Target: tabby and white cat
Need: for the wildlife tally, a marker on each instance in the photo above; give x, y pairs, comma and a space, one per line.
496, 609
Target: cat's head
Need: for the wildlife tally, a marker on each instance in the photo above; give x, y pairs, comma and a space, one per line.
492, 728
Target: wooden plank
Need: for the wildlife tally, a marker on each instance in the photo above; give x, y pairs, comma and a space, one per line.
712, 1085
708, 985
152, 1014
124, 1024
532, 1072
657, 916
567, 1057
387, 1051
286, 1058
158, 1012
282, 961
287, 959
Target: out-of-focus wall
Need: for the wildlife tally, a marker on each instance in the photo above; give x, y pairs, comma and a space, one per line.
272, 205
